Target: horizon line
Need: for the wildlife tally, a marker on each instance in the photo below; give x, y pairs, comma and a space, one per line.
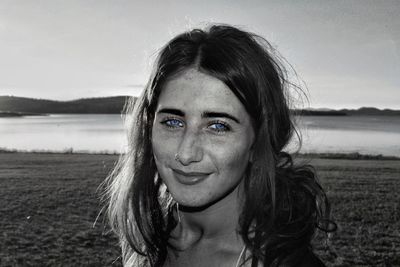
299, 108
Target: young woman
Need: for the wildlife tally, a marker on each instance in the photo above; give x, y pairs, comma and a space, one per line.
206, 181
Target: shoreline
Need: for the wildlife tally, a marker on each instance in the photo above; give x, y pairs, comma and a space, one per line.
326, 155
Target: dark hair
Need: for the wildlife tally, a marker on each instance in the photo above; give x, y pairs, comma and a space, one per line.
284, 203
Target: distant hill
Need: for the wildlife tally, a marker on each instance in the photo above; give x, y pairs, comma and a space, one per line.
103, 105
364, 111
9, 105
371, 111
19, 114
307, 112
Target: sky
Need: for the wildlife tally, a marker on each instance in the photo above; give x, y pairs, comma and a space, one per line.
347, 53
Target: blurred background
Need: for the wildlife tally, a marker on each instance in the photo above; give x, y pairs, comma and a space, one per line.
67, 68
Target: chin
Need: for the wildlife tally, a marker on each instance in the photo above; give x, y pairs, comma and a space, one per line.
191, 203
198, 204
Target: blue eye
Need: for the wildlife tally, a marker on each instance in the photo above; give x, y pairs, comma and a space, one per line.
172, 123
219, 127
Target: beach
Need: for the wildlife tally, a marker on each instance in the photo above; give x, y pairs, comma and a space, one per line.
49, 204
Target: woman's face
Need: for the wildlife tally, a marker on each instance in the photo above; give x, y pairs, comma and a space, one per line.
201, 139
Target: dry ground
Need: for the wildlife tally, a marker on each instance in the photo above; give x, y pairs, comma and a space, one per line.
366, 206
48, 206
49, 203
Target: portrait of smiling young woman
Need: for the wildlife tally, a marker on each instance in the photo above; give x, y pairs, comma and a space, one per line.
201, 143
206, 180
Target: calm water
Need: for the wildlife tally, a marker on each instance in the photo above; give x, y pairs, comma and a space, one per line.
100, 133
363, 134
81, 132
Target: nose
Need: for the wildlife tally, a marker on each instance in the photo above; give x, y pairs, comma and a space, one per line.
190, 149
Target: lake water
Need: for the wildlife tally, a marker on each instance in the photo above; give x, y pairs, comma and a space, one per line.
105, 133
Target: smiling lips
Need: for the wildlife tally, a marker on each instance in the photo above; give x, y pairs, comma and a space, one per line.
189, 178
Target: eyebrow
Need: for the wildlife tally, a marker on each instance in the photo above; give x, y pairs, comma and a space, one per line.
173, 111
219, 115
205, 114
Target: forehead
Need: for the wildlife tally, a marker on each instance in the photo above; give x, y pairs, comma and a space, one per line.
193, 90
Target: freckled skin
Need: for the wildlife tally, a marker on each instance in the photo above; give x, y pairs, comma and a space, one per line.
223, 155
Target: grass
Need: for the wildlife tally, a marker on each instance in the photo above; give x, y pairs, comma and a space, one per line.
48, 206
366, 206
49, 203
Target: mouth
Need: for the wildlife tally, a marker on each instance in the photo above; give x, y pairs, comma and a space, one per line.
189, 178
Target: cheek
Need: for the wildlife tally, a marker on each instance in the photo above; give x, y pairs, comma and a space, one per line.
157, 145
164, 147
161, 156
233, 160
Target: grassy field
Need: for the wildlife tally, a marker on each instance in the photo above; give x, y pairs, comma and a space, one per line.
48, 206
366, 206
49, 203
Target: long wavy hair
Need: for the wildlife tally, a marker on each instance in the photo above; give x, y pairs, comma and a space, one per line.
284, 203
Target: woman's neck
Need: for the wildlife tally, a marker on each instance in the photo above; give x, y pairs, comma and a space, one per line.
217, 223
